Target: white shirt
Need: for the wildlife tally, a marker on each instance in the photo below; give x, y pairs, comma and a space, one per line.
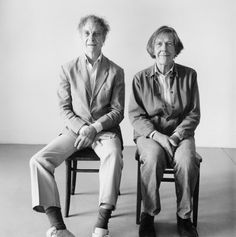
92, 70
92, 73
164, 82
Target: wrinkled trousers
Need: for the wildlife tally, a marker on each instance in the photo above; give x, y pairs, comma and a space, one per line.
153, 163
42, 166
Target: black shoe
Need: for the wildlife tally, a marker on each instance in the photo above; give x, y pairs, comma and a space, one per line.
186, 227
146, 228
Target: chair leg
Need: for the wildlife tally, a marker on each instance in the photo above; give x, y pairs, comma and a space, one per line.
195, 201
139, 195
68, 187
74, 177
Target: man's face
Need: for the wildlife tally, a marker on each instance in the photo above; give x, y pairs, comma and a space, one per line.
164, 49
92, 38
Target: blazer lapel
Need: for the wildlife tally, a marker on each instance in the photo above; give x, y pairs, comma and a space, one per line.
101, 75
84, 75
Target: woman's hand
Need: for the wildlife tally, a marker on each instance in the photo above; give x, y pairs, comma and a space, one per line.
164, 141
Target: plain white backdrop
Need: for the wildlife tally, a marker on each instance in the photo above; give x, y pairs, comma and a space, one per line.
36, 37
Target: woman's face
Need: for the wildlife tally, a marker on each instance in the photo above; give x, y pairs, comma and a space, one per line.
164, 49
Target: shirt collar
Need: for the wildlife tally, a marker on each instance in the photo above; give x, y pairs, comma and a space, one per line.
157, 71
97, 61
151, 72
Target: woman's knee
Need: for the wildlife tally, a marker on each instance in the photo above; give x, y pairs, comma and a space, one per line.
153, 157
185, 155
186, 163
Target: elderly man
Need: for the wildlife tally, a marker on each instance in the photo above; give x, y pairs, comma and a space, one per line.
91, 102
164, 110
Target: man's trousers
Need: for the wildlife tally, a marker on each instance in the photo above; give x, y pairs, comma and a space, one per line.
42, 166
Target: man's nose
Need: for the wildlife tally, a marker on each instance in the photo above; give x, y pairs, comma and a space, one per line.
91, 37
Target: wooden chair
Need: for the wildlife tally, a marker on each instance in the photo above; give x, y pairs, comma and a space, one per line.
86, 154
168, 171
71, 171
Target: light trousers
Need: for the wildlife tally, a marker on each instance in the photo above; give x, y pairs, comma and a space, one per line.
153, 163
42, 166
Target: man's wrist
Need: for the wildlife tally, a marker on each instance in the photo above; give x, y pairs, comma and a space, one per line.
152, 134
98, 126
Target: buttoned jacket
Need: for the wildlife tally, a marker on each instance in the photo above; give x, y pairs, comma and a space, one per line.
147, 110
79, 105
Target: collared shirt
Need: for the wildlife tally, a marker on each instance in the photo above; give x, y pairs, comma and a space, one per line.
92, 73
164, 82
73, 95
147, 112
92, 70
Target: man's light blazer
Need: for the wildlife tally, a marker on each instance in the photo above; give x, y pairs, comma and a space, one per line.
80, 106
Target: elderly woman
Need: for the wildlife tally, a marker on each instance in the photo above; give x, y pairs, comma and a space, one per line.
164, 111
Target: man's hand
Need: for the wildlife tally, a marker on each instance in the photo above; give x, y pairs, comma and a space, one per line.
164, 141
86, 137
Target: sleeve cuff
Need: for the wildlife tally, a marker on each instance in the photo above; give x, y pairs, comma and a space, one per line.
175, 139
152, 134
98, 126
177, 134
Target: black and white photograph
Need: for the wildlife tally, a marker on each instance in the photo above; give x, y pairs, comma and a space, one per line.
118, 118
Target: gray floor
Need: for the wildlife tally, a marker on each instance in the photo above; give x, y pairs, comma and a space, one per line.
217, 209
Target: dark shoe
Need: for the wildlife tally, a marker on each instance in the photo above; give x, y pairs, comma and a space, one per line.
186, 227
146, 228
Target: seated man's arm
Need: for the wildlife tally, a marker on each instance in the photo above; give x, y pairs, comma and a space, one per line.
73, 121
117, 101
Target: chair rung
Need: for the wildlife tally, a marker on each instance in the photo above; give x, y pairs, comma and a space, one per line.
86, 170
168, 180
169, 171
